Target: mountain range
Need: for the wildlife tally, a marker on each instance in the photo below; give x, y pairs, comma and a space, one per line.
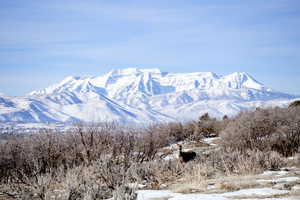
141, 96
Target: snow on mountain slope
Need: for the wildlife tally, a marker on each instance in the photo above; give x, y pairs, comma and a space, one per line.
94, 107
24, 109
118, 83
141, 95
68, 107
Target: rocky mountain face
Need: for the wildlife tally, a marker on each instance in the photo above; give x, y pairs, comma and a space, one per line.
141, 96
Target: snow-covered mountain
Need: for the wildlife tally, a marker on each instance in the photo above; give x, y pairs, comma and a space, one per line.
141, 95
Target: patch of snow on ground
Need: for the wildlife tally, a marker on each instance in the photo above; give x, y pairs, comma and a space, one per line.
136, 185
277, 173
151, 194
280, 180
211, 187
210, 140
199, 197
246, 193
261, 192
270, 199
171, 157
296, 187
163, 194
288, 179
282, 173
269, 173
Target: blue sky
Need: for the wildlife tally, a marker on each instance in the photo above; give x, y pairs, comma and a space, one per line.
41, 42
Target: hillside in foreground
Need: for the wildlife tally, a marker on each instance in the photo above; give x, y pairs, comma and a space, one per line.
254, 155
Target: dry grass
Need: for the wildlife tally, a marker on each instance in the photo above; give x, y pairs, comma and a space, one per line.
234, 183
188, 188
4, 197
216, 185
294, 161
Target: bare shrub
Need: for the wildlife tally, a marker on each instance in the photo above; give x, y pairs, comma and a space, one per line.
111, 172
252, 162
276, 129
106, 151
286, 140
169, 132
25, 162
248, 131
155, 173
30, 156
93, 140
146, 147
221, 163
21, 186
81, 183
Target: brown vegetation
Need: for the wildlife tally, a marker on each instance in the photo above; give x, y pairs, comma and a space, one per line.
87, 158
276, 129
99, 161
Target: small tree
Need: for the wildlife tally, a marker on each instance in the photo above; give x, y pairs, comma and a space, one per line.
204, 117
225, 117
206, 126
294, 104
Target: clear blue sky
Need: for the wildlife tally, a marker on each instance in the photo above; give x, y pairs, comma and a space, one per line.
41, 42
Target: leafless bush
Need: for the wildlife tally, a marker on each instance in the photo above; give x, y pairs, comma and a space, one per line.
81, 183
168, 132
222, 163
93, 140
21, 156
251, 162
286, 140
22, 186
276, 129
157, 172
26, 163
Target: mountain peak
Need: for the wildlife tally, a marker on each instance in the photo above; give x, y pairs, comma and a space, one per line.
152, 81
71, 78
133, 71
239, 80
243, 76
140, 95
